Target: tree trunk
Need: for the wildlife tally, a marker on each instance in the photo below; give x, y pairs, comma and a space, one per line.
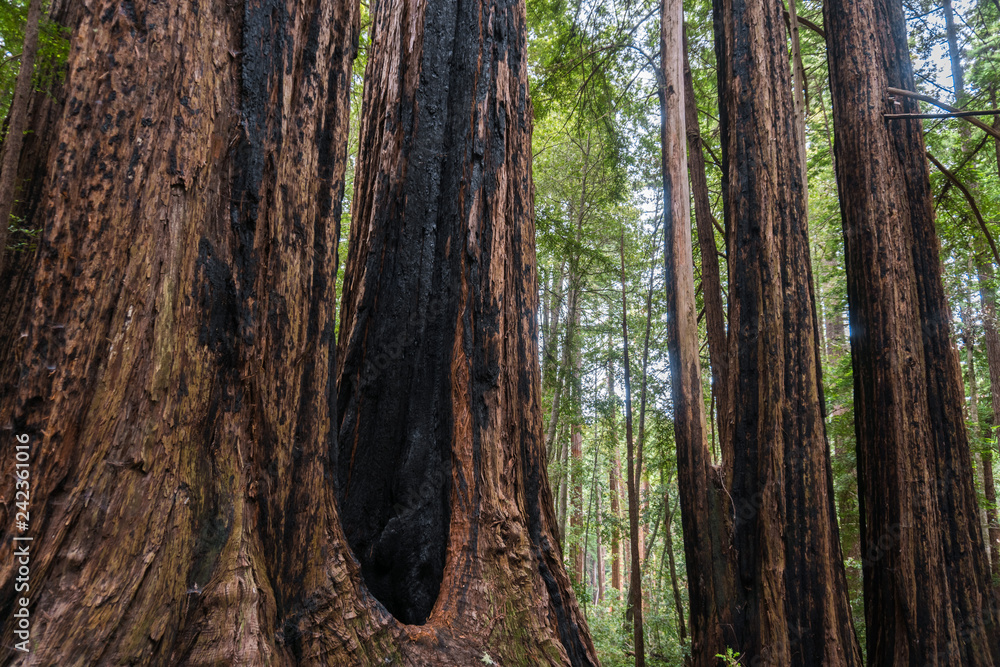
614, 476
711, 283
440, 370
16, 123
634, 463
576, 542
791, 596
706, 535
668, 534
926, 579
177, 385
155, 384
987, 293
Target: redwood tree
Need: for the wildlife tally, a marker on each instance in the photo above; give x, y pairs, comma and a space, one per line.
926, 579
703, 513
176, 364
441, 460
790, 604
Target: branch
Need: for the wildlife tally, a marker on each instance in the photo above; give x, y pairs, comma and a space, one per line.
806, 23
972, 204
930, 100
954, 114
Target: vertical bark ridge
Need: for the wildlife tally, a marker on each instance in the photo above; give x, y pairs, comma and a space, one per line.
441, 296
925, 573
791, 594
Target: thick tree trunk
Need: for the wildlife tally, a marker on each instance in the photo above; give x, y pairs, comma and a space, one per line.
711, 282
706, 535
791, 602
442, 481
190, 223
927, 595
177, 384
16, 123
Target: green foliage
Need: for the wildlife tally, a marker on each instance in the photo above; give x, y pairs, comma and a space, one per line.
53, 50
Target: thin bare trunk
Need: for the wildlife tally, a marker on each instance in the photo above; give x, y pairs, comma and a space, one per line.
634, 471
17, 122
711, 281
706, 534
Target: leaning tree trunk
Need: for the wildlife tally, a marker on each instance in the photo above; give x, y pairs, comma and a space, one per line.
703, 514
926, 579
443, 489
711, 282
791, 601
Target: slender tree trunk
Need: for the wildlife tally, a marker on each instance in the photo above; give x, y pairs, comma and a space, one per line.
987, 294
954, 55
969, 341
706, 534
791, 596
711, 283
576, 476
614, 475
926, 580
558, 372
17, 122
668, 534
634, 464
799, 101
600, 548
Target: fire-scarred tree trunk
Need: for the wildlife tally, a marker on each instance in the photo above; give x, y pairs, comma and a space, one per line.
176, 375
926, 580
706, 533
443, 486
791, 604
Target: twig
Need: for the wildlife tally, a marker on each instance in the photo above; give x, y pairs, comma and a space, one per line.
972, 204
947, 107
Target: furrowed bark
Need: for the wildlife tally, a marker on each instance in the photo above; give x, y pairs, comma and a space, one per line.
791, 603
711, 283
440, 370
926, 580
706, 535
189, 199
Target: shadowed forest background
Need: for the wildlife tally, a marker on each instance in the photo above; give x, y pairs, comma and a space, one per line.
557, 332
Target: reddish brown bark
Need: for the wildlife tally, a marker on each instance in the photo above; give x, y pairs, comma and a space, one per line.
633, 462
189, 198
791, 603
926, 580
711, 283
439, 337
177, 379
706, 535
